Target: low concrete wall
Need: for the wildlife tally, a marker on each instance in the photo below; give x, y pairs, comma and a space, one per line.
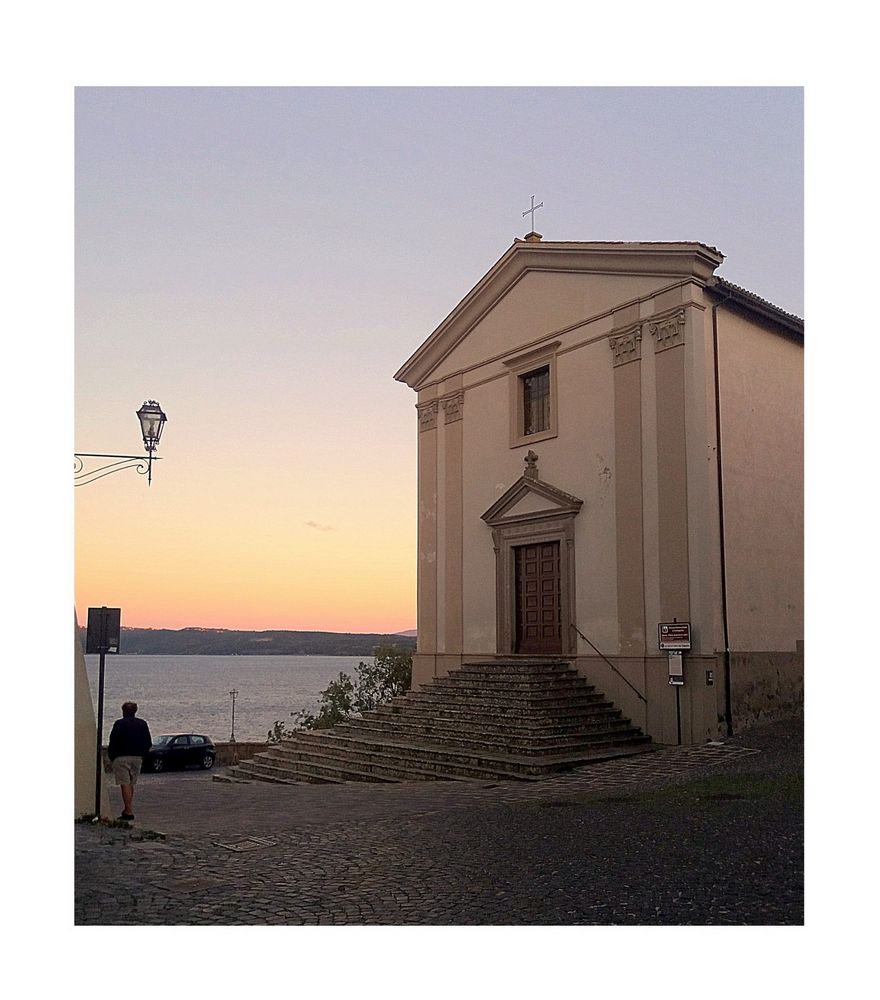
232, 753
227, 753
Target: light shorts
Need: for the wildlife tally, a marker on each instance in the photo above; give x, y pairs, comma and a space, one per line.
126, 770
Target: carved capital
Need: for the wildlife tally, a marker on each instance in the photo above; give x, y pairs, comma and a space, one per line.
668, 332
453, 406
427, 415
626, 347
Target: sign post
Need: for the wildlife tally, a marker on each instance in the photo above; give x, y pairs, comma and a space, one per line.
675, 638
102, 637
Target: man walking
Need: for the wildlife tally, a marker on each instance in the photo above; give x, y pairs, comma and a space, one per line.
129, 740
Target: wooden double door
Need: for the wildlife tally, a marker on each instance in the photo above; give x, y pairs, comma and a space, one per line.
538, 588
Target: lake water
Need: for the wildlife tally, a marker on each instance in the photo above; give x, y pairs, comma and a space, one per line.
191, 693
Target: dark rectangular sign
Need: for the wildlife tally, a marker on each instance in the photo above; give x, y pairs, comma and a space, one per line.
674, 635
103, 632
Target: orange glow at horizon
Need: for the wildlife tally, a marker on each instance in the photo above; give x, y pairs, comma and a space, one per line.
254, 551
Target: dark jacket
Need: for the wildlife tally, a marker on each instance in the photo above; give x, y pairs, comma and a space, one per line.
129, 737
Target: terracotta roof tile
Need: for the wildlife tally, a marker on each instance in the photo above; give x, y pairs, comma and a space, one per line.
755, 299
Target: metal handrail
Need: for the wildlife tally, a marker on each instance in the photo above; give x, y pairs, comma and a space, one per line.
610, 664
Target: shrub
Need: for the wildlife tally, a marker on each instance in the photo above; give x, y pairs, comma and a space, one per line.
376, 683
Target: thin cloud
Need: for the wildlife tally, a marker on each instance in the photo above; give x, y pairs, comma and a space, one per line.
320, 527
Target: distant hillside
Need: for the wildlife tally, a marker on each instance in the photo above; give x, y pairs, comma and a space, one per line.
228, 642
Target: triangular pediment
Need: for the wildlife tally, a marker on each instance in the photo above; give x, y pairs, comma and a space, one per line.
548, 287
531, 499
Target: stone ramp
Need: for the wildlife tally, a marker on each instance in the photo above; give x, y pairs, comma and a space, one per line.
515, 720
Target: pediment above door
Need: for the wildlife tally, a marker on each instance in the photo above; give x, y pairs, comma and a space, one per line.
531, 499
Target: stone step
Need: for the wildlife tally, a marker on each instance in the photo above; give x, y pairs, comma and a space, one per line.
324, 767
384, 755
327, 771
509, 720
502, 714
454, 720
377, 762
514, 667
249, 769
533, 742
537, 701
559, 686
385, 761
399, 762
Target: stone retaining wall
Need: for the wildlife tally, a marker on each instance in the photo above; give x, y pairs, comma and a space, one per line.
766, 687
227, 753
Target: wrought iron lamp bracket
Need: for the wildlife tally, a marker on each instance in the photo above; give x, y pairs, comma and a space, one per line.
142, 464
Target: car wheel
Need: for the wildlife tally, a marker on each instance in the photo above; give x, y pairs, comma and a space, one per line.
158, 764
207, 761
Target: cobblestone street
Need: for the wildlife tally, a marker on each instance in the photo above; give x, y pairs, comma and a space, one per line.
692, 835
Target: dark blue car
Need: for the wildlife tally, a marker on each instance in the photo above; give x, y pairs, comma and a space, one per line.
180, 750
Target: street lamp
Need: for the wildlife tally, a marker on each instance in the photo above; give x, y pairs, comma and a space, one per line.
152, 421
233, 693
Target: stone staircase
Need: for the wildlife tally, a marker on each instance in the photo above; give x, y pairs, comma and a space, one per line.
500, 720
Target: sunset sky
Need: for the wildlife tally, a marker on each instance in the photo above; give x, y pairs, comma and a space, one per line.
261, 262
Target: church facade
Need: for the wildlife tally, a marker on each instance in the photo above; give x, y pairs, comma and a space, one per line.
610, 440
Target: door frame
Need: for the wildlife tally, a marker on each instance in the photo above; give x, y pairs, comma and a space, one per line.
534, 530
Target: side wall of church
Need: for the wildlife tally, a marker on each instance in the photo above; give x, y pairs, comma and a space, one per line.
761, 389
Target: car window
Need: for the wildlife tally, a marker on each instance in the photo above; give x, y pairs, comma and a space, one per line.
181, 741
197, 740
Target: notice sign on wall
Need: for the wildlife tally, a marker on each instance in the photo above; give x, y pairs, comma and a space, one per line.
674, 635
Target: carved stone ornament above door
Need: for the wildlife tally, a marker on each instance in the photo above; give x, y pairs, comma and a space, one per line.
532, 512
529, 499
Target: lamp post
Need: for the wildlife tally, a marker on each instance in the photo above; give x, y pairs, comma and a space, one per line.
233, 694
152, 421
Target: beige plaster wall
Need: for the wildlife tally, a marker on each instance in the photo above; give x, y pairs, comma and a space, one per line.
583, 463
427, 618
704, 539
542, 303
761, 384
605, 415
85, 738
488, 471
700, 706
579, 461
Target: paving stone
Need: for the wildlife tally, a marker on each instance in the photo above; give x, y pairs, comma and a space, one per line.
601, 845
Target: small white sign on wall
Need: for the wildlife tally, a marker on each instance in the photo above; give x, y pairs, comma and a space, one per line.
676, 670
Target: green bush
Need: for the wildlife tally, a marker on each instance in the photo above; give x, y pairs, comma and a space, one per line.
374, 684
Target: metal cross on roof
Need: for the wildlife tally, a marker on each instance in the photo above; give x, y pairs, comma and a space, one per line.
531, 211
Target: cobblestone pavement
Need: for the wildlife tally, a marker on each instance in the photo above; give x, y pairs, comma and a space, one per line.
690, 835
